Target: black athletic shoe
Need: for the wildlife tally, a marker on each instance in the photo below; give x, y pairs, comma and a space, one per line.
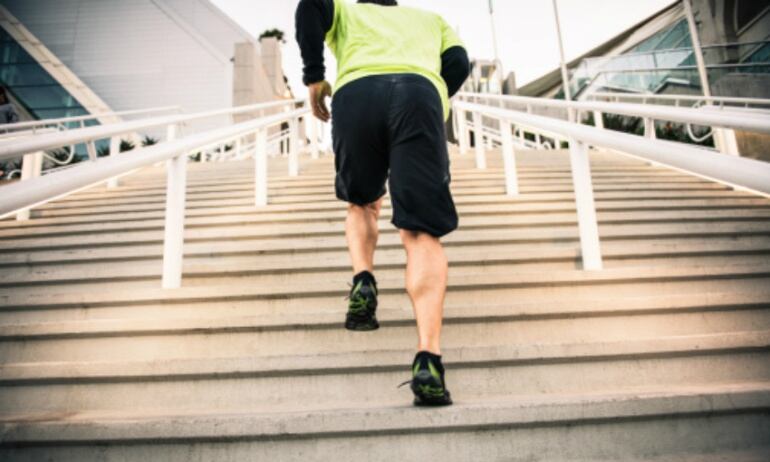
362, 304
427, 382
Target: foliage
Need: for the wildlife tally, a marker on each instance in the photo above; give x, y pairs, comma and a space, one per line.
149, 141
277, 33
126, 145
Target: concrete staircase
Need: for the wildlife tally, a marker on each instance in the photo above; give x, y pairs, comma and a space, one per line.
664, 355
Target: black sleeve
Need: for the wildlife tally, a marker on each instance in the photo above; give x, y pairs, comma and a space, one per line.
455, 68
313, 19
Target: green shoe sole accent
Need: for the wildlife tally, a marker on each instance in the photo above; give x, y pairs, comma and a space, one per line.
371, 324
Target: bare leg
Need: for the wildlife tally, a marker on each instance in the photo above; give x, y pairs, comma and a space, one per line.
426, 280
362, 233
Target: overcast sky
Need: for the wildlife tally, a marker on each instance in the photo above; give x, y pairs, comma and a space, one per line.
525, 28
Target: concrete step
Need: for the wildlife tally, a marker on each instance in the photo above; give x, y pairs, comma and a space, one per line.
527, 183
319, 218
616, 294
217, 335
472, 186
459, 281
72, 208
671, 424
287, 267
488, 194
284, 212
509, 228
323, 381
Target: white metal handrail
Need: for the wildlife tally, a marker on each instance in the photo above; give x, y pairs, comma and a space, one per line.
32, 148
716, 100
722, 119
89, 134
34, 124
42, 189
743, 173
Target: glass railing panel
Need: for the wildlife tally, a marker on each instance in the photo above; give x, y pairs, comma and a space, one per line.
674, 37
645, 81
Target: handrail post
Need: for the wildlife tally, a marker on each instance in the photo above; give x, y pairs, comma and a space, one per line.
478, 140
260, 169
31, 167
311, 126
91, 149
462, 130
509, 160
586, 208
649, 128
293, 148
175, 204
726, 142
598, 120
112, 183
173, 241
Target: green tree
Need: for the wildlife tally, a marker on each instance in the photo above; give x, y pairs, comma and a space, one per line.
277, 33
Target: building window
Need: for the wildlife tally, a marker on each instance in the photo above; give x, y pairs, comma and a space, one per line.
40, 94
747, 11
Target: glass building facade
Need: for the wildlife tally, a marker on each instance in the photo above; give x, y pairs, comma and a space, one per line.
666, 59
35, 89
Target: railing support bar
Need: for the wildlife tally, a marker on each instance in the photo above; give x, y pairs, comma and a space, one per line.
586, 209
478, 141
112, 183
173, 242
31, 167
260, 169
293, 148
726, 142
91, 150
649, 128
462, 131
509, 160
598, 119
311, 126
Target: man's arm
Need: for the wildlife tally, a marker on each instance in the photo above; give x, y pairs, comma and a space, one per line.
313, 20
455, 68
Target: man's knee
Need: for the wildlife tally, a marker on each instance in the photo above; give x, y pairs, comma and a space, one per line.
367, 209
415, 237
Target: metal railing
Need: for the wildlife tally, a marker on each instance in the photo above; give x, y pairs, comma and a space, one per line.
743, 173
648, 70
41, 189
725, 120
726, 102
32, 149
31, 126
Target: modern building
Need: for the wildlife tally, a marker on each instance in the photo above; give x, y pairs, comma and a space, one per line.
656, 55
73, 57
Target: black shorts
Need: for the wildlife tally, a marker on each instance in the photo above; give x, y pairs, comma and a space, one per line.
391, 127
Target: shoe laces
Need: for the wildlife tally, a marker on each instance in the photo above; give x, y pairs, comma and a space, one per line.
404, 383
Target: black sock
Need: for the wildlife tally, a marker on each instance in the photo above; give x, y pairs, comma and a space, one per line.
364, 276
435, 359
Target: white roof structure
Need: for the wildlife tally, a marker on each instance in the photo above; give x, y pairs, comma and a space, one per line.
141, 53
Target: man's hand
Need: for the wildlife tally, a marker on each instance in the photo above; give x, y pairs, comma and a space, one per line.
319, 91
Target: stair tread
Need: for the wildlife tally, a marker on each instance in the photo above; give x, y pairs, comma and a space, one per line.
487, 281
389, 314
377, 360
522, 411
